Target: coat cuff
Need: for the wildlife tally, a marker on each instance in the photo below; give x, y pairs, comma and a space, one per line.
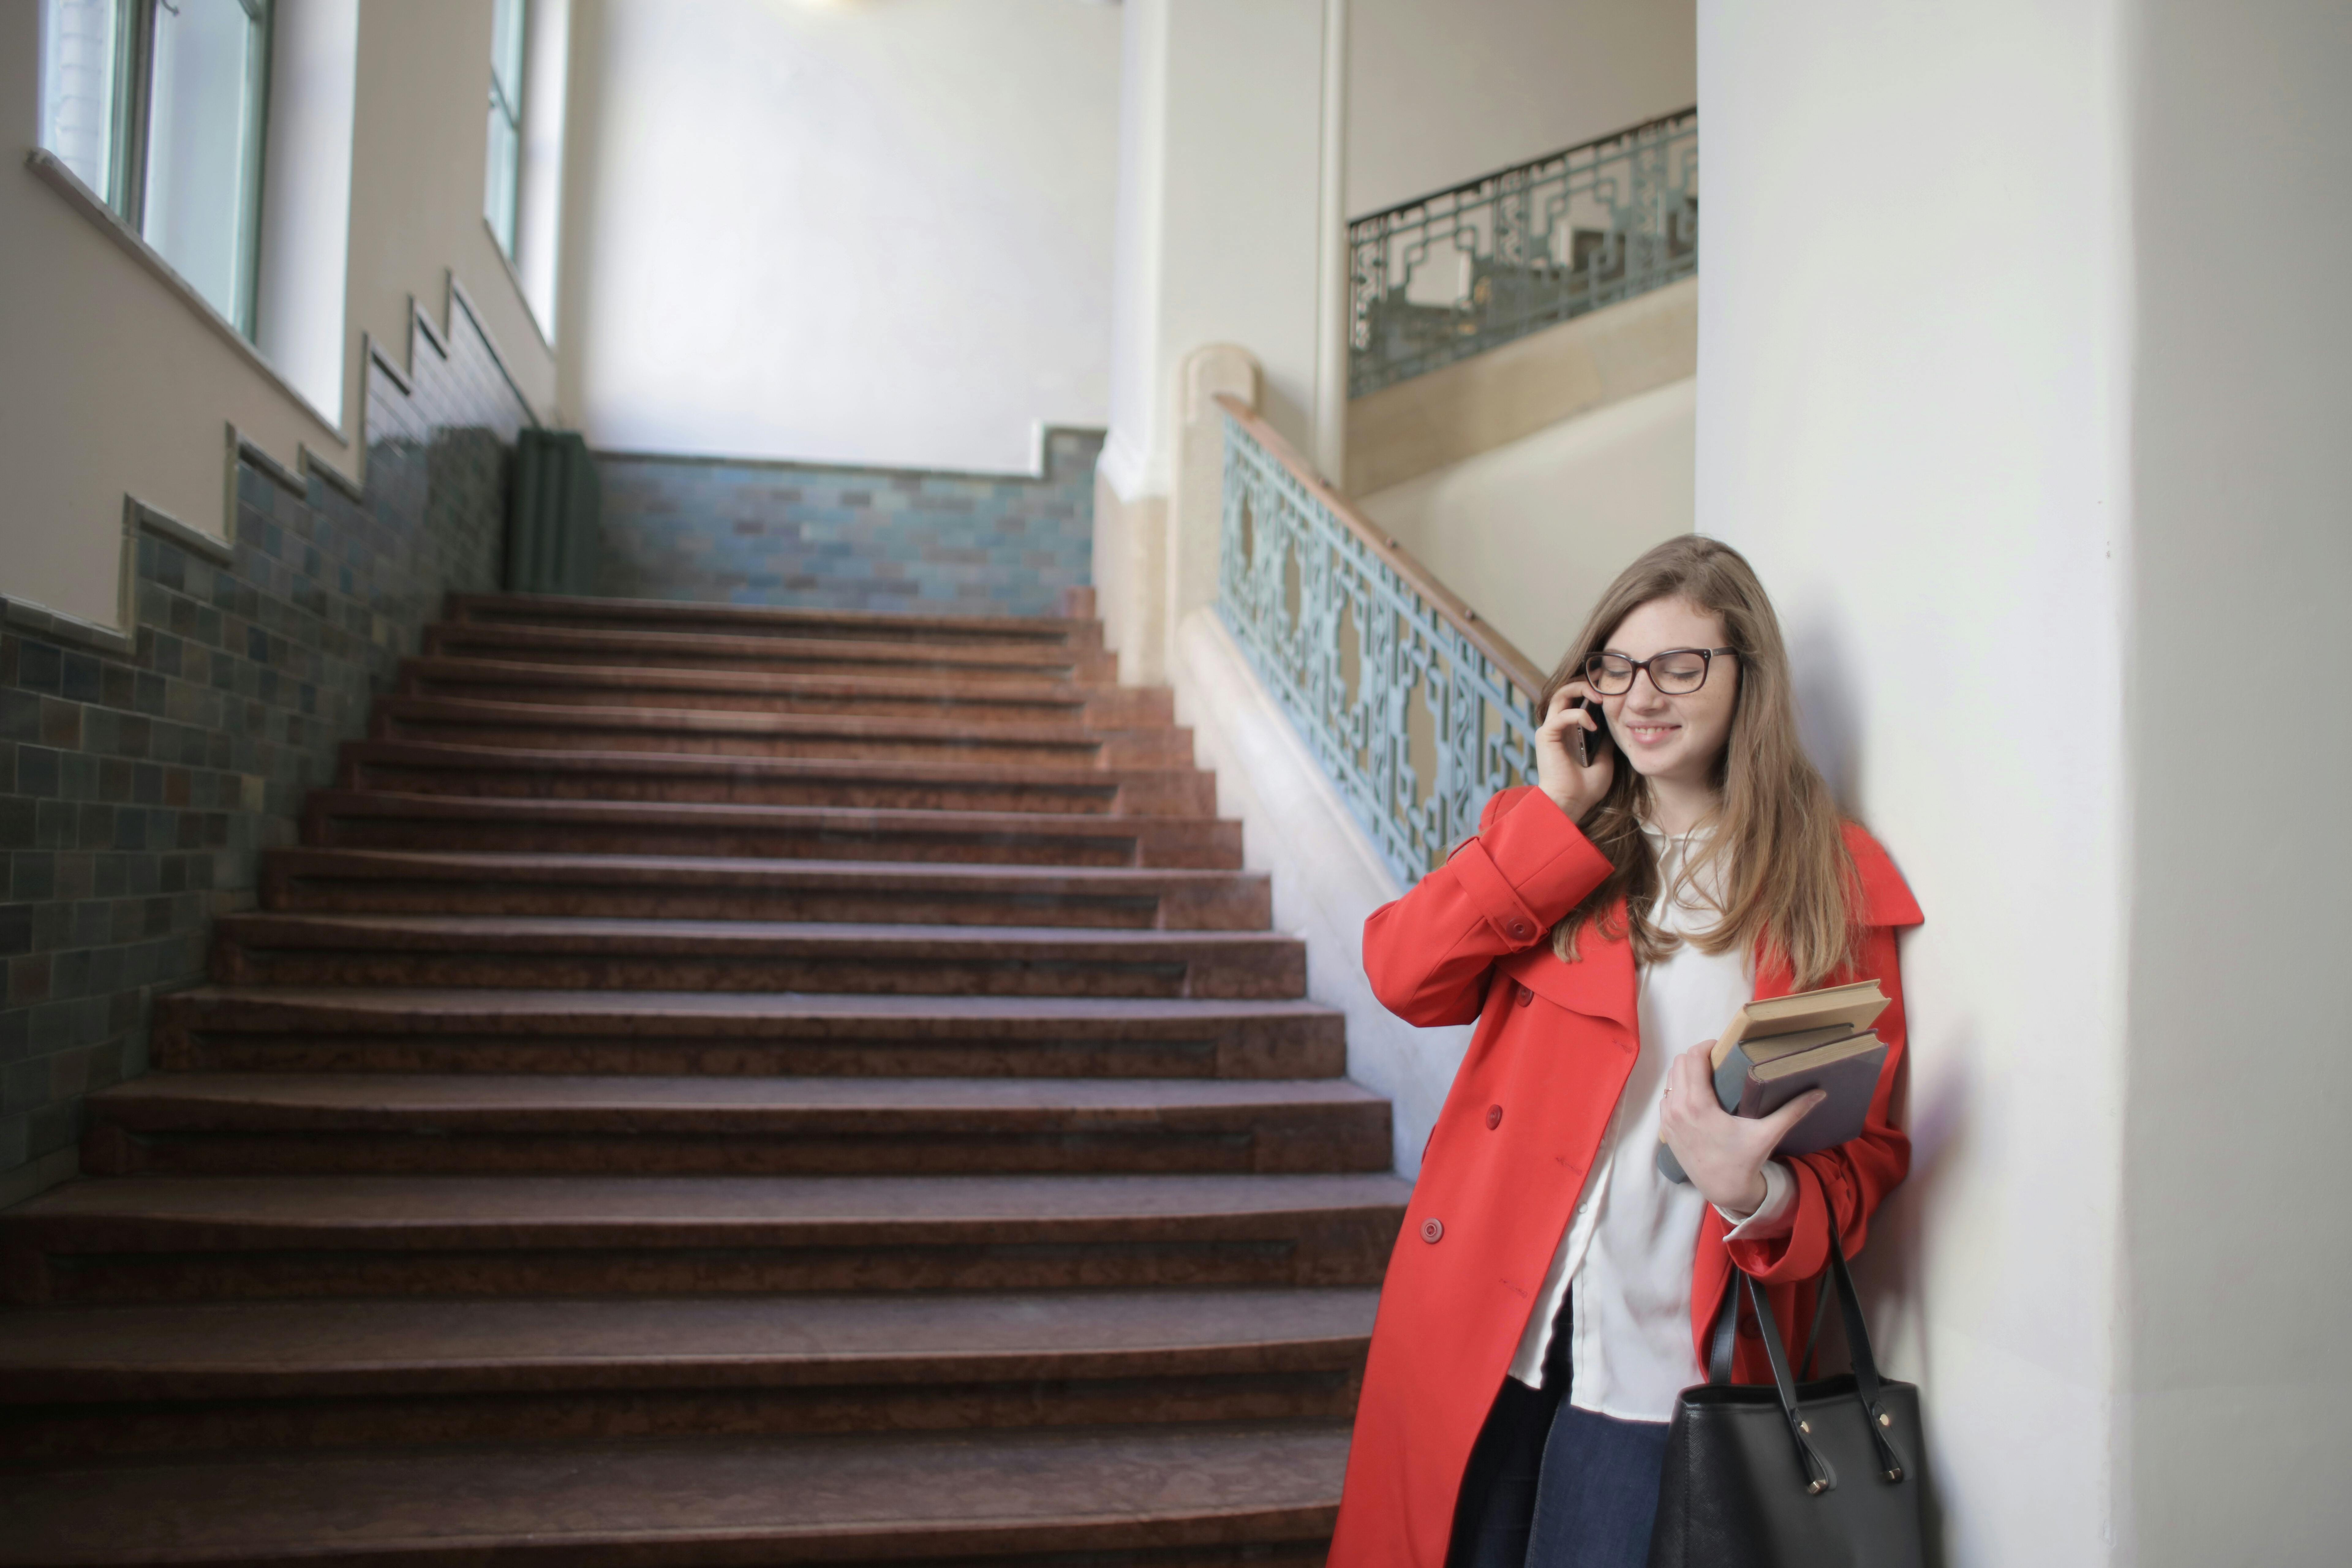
1774, 1216
1528, 869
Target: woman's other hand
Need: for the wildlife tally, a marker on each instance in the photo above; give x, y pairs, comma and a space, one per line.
1723, 1154
1575, 789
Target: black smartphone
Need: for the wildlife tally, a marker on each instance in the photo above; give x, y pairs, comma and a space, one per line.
1590, 743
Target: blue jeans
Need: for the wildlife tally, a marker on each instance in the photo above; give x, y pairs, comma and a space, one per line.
1550, 1486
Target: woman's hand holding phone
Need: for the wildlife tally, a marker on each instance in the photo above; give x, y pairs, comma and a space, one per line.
1575, 787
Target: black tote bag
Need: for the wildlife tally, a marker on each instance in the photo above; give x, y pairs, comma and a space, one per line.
1826, 1475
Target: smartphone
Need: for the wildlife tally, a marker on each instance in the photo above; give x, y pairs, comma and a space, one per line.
1590, 744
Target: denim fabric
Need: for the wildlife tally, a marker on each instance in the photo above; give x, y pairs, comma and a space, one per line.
1550, 1486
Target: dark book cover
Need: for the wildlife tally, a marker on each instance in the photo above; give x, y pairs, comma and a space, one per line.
1846, 1067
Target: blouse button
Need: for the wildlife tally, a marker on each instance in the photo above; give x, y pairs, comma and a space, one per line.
1493, 1117
1430, 1229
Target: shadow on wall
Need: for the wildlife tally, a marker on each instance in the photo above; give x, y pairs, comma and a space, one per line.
1935, 1110
136, 791
720, 532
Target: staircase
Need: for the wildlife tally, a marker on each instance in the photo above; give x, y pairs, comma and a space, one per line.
719, 1085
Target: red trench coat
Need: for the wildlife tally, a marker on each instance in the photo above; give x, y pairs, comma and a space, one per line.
1554, 1046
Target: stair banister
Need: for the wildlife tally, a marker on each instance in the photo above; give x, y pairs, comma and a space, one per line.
1345, 628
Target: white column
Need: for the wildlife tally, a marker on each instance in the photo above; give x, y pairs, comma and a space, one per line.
1221, 211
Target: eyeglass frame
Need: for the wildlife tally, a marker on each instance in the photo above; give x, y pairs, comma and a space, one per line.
1642, 667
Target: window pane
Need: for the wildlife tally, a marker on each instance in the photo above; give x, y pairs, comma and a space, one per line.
77, 89
506, 52
499, 192
203, 147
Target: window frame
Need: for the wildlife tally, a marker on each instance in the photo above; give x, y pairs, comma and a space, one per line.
133, 128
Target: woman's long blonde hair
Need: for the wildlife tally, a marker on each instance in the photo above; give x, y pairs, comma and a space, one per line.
1788, 882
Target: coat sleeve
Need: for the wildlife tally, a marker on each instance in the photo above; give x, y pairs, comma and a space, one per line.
1427, 954
1839, 1188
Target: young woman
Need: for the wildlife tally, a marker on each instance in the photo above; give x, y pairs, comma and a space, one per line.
1552, 1291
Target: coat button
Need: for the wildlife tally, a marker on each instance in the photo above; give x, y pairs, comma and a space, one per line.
1430, 1229
1493, 1117
1520, 931
1525, 997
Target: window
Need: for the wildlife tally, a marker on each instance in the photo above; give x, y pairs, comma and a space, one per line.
502, 186
157, 105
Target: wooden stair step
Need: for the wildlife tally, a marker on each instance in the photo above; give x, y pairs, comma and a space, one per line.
549, 953
557, 727
368, 819
776, 653
985, 701
253, 1374
304, 1123
1264, 1493
180, 1238
1029, 631
433, 767
744, 888
734, 1033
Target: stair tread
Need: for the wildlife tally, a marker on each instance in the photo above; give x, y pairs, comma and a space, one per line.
732, 1501
244, 1348
1021, 656
501, 1211
345, 1100
455, 754
654, 936
752, 871
1040, 630
731, 721
821, 818
429, 1007
946, 693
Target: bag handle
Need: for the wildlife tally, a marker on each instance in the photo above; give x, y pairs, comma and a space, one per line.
1819, 1477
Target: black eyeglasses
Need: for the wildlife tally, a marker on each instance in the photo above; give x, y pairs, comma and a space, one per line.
1675, 671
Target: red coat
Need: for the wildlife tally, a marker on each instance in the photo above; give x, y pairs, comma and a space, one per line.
1553, 1049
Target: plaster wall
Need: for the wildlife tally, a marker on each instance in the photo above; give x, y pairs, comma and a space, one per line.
868, 235
117, 384
1439, 94
2235, 1427
1914, 417
1531, 531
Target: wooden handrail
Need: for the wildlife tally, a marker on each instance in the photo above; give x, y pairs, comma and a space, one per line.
1481, 634
1478, 182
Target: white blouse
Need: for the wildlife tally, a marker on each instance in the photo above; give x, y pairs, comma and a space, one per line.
1626, 1257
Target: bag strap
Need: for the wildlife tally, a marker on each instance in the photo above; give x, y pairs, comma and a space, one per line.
1868, 1387
1890, 1462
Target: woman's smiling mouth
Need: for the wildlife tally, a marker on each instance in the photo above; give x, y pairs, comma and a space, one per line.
1647, 734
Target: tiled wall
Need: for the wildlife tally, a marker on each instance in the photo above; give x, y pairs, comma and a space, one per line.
851, 539
136, 788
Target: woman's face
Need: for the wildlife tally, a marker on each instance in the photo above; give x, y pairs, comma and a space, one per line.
1673, 739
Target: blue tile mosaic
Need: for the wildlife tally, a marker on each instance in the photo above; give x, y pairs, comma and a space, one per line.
850, 539
136, 792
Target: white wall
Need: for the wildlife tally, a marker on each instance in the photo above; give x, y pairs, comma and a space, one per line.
858, 234
1913, 378
1533, 531
1442, 94
2238, 1246
114, 384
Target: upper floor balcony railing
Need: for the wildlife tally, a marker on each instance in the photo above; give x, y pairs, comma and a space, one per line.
1453, 274
1416, 709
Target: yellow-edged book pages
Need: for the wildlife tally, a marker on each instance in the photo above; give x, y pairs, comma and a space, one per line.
1843, 1008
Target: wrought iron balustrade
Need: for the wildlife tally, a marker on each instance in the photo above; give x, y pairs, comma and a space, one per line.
1417, 709
1453, 274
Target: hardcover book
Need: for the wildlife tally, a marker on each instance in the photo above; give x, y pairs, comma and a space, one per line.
1777, 1049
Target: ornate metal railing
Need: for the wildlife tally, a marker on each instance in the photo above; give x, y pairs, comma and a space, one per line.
1417, 709
1453, 274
